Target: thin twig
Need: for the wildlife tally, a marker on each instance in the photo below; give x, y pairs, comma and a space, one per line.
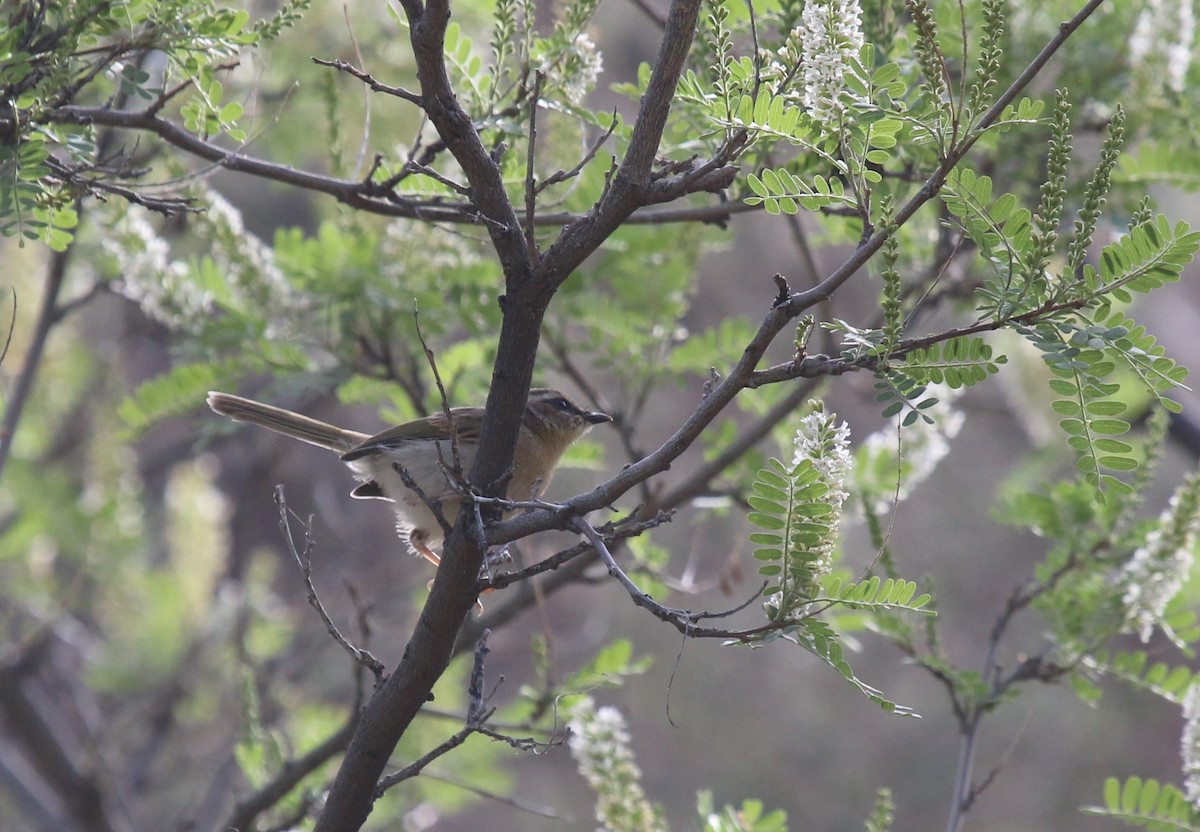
78, 178
432, 503
613, 532
523, 805
12, 326
425, 170
369, 80
531, 189
366, 136
477, 715
451, 426
303, 558
682, 620
563, 176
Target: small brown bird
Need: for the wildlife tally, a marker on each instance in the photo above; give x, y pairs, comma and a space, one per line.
423, 449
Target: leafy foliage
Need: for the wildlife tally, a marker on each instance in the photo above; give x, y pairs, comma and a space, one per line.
1146, 803
798, 523
799, 508
902, 394
1151, 255
877, 593
750, 816
780, 191
1135, 668
822, 641
1090, 412
956, 362
1000, 228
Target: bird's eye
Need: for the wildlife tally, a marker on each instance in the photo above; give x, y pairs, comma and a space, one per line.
562, 404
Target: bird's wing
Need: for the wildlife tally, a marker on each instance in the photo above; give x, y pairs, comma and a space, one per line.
467, 421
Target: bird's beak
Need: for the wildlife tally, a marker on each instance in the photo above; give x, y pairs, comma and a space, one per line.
595, 417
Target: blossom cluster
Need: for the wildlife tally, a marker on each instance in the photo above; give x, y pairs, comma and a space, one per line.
1190, 744
177, 294
831, 35
250, 268
825, 442
1162, 564
148, 276
599, 742
576, 73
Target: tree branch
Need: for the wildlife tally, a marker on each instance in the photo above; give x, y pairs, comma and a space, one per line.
292, 772
631, 186
48, 316
79, 789
784, 310
364, 195
369, 80
303, 557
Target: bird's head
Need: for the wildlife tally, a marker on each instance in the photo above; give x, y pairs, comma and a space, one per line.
558, 420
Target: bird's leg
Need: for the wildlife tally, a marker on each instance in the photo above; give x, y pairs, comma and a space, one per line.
416, 542
425, 552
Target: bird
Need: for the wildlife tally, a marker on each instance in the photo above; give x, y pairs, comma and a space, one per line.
423, 450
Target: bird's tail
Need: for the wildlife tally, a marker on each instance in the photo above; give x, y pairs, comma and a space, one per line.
286, 422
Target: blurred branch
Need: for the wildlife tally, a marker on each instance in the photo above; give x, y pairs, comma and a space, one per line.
33, 801
655, 16
289, 776
48, 315
79, 790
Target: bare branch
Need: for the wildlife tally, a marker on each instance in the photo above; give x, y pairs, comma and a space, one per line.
76, 786
531, 190
633, 186
303, 558
783, 311
364, 195
564, 175
357, 194
427, 31
682, 620
99, 188
477, 715
369, 80
611, 532
425, 170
